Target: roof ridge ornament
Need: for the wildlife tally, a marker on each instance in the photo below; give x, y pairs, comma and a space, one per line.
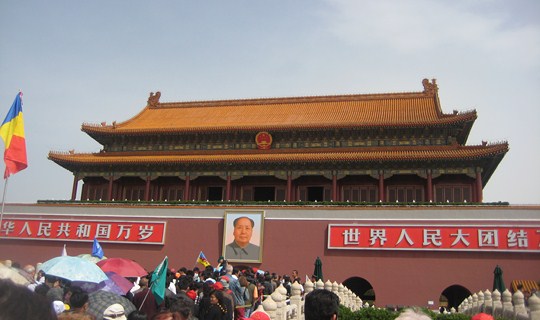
430, 88
153, 99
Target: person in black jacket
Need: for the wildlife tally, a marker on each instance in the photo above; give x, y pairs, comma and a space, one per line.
218, 309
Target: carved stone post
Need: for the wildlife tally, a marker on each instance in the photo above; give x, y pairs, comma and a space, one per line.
350, 295
328, 285
519, 305
308, 286
534, 307
296, 299
341, 289
497, 304
475, 309
270, 307
319, 284
358, 303
488, 303
508, 308
280, 310
480, 295
335, 287
470, 300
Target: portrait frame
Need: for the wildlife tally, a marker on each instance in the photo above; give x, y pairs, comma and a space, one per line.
231, 252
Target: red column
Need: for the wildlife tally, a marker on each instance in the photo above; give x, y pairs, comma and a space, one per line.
109, 193
381, 186
228, 190
429, 187
147, 189
289, 187
74, 188
479, 196
186, 189
334, 187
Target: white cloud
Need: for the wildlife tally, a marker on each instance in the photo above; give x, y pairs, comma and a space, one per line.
424, 27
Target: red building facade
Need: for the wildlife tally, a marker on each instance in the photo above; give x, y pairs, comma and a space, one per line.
402, 255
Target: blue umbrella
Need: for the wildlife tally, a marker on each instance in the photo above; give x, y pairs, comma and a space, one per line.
74, 269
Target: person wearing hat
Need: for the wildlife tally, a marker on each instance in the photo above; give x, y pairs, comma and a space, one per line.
259, 315
228, 299
114, 311
218, 307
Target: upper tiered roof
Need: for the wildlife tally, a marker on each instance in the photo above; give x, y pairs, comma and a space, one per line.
398, 110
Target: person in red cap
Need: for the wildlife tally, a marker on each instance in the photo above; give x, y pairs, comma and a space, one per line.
218, 309
228, 299
259, 315
482, 316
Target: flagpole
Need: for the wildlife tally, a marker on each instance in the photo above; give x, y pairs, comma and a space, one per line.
145, 296
150, 284
3, 202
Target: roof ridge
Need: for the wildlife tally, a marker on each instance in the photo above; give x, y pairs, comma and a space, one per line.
291, 100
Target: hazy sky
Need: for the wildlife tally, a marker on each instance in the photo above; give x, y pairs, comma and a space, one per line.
94, 61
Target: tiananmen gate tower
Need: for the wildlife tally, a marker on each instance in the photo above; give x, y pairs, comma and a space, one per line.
383, 188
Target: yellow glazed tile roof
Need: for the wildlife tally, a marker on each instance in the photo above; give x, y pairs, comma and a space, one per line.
280, 155
343, 111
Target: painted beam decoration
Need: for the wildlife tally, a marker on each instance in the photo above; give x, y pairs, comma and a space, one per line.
136, 232
435, 237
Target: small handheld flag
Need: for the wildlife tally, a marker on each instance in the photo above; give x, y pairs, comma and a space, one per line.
158, 281
12, 132
64, 251
97, 251
202, 260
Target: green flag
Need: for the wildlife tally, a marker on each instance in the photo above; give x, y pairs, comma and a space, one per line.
158, 281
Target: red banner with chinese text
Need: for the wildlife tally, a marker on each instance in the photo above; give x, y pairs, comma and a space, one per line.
433, 237
139, 232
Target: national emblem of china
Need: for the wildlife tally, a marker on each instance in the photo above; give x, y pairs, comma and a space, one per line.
263, 140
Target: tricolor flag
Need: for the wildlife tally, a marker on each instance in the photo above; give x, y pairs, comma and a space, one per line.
12, 132
159, 280
202, 260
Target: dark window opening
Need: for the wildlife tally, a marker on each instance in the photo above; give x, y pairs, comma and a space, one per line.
215, 193
264, 194
315, 193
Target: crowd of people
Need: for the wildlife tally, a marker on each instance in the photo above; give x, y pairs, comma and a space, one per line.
222, 293
213, 293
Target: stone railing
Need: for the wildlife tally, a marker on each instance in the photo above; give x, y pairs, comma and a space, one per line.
503, 305
279, 307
